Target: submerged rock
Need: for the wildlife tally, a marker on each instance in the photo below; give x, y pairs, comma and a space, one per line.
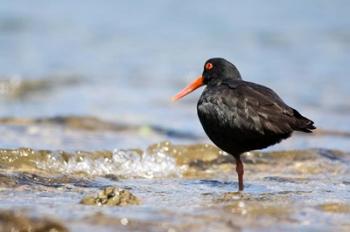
14, 221
111, 196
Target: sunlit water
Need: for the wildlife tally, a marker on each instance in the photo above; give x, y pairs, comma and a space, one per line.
115, 65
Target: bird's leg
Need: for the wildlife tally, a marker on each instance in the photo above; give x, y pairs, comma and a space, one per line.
240, 172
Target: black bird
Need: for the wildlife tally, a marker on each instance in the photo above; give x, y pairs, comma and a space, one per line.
240, 116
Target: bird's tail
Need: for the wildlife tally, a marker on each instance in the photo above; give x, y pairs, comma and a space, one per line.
302, 123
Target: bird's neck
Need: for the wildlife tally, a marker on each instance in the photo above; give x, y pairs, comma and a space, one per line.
223, 81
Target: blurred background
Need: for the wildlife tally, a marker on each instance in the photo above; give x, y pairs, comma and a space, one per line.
121, 61
91, 82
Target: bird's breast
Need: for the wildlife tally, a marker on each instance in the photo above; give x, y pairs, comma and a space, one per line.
217, 119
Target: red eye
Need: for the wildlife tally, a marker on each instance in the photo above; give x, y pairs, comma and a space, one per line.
208, 66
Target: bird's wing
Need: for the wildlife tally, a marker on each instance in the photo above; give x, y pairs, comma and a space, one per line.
258, 108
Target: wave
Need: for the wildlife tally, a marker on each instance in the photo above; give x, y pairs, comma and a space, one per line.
167, 160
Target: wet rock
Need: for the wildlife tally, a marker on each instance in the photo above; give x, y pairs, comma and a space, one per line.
16, 87
84, 123
111, 196
75, 122
7, 181
165, 159
187, 154
334, 207
198, 160
22, 158
284, 179
17, 222
278, 156
33, 179
112, 177
90, 123
204, 160
25, 178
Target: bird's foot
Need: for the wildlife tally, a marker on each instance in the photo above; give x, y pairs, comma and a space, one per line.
233, 196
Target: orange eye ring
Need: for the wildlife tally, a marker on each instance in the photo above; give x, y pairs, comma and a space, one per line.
208, 66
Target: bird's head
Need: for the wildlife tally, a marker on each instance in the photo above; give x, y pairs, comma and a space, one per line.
215, 71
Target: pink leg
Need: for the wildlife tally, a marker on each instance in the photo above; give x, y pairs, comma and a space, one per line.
240, 172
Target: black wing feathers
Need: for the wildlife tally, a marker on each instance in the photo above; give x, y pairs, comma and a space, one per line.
263, 108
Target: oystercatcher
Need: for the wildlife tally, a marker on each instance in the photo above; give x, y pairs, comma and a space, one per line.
240, 116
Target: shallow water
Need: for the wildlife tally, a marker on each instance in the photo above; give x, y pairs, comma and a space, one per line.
106, 56
85, 103
181, 190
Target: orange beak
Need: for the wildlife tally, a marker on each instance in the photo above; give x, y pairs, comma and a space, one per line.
190, 88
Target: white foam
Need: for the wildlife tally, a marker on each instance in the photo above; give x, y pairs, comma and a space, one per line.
123, 163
